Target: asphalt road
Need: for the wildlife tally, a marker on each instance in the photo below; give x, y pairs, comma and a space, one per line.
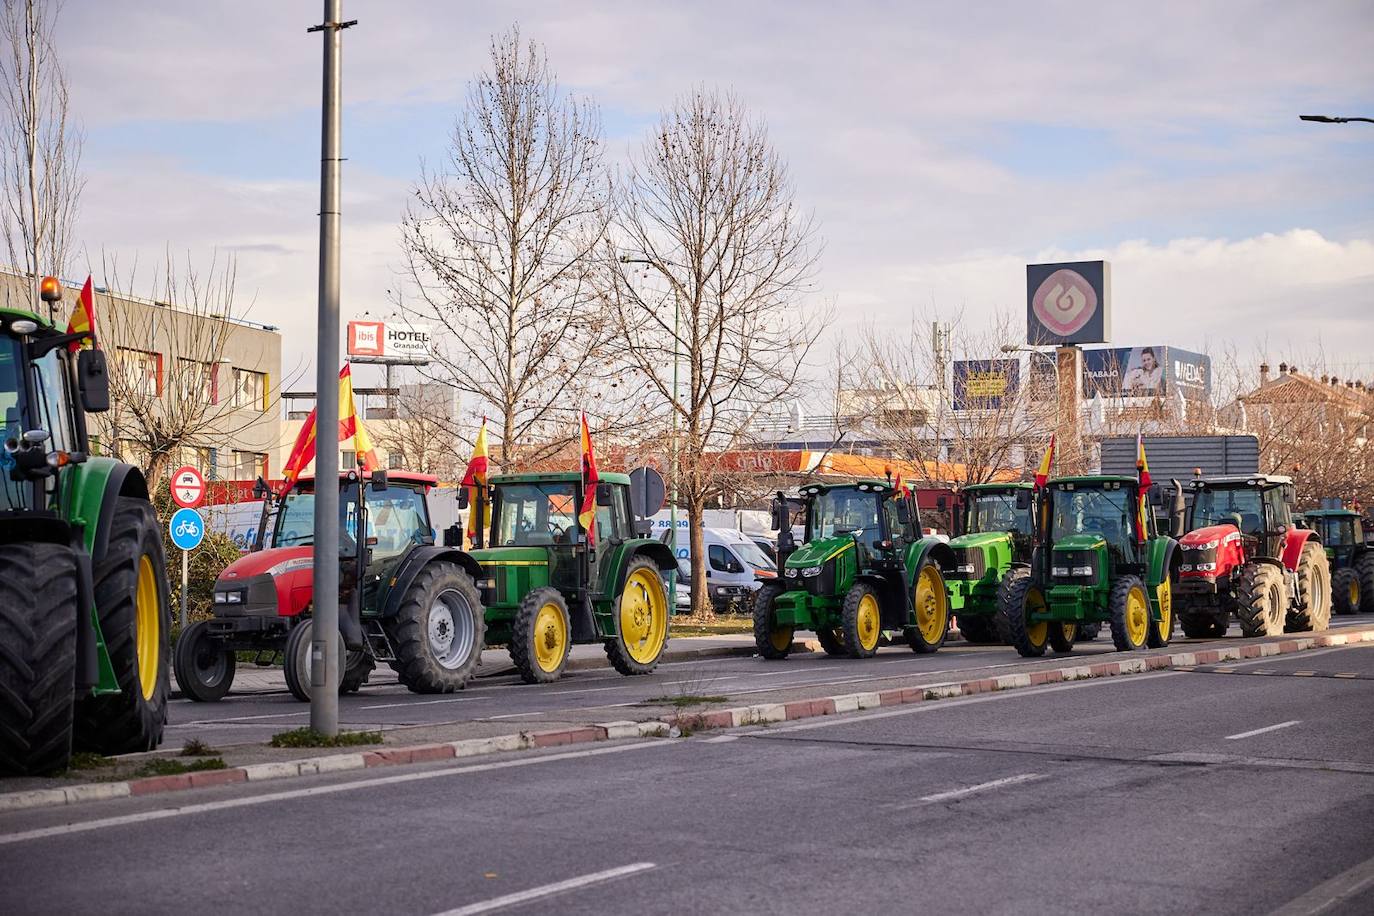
603, 695
1240, 791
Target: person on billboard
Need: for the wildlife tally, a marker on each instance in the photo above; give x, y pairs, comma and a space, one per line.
1146, 375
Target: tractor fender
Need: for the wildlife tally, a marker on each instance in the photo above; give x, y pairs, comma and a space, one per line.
1161, 564
418, 559
937, 550
95, 487
1293, 543
654, 550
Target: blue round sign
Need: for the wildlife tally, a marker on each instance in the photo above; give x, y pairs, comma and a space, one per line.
187, 529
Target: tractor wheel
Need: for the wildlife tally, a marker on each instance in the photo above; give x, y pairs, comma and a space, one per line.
541, 636
861, 621
358, 667
203, 666
1314, 590
979, 629
296, 659
832, 641
1364, 568
1345, 591
931, 605
1130, 610
1261, 603
1087, 632
1162, 630
38, 617
641, 619
439, 631
135, 614
1200, 626
1018, 598
772, 641
1063, 635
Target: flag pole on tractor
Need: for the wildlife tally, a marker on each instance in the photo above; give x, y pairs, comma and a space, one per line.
83, 318
475, 479
1042, 476
1142, 468
589, 481
350, 428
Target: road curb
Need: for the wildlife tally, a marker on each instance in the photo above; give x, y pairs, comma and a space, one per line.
733, 717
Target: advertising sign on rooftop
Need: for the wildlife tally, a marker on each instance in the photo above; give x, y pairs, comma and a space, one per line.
983, 384
1146, 372
392, 341
1068, 303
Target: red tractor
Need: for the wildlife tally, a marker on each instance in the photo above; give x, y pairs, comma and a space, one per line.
404, 600
1243, 553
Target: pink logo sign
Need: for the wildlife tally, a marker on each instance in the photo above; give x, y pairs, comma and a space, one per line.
1065, 302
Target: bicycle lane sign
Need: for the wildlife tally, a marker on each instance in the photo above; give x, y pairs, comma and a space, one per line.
187, 529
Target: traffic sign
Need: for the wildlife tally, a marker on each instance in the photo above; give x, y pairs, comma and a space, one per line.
187, 529
646, 491
188, 487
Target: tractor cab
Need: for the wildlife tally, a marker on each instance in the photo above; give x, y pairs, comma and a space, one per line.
999, 509
1342, 534
1258, 507
996, 521
866, 514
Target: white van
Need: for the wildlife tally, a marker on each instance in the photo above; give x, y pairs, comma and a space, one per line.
735, 566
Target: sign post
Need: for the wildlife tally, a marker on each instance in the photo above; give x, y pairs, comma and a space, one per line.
188, 492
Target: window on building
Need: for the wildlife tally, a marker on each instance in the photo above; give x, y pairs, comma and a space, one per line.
142, 371
198, 458
395, 461
348, 461
250, 389
249, 465
197, 381
131, 452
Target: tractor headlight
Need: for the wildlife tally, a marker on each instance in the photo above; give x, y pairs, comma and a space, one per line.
1206, 567
790, 572
811, 571
965, 568
485, 583
1059, 571
1082, 571
231, 597
1210, 545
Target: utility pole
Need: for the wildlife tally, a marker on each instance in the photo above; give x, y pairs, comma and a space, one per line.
324, 647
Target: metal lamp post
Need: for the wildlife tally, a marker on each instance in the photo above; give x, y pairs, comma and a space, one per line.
1327, 119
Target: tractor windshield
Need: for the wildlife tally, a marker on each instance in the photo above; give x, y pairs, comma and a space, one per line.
12, 494
845, 511
996, 511
1336, 531
535, 514
1081, 510
44, 384
1242, 508
396, 517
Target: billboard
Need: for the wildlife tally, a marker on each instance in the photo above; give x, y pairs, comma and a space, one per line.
1068, 303
982, 384
388, 342
1146, 372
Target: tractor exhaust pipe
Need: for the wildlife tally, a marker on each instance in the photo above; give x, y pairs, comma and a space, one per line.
1177, 511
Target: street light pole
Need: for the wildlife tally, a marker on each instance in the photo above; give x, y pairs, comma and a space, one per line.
324, 646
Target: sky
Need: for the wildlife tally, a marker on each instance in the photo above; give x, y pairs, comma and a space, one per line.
940, 147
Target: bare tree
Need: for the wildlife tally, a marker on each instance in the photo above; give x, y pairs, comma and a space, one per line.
714, 260
40, 153
501, 246
170, 389
419, 434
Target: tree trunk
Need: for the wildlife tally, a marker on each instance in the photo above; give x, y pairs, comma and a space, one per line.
701, 597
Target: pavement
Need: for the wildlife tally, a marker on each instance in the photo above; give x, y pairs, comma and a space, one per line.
1165, 792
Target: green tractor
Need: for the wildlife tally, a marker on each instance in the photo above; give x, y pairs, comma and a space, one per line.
1341, 532
1090, 566
863, 570
996, 538
545, 588
84, 608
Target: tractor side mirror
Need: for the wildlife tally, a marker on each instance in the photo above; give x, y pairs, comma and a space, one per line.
603, 494
260, 489
93, 381
644, 527
904, 511
379, 479
453, 536
1156, 496
778, 514
1023, 500
462, 497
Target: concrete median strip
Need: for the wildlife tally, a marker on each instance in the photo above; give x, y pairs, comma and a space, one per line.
734, 717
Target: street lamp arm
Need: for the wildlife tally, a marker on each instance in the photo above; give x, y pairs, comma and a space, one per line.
1327, 119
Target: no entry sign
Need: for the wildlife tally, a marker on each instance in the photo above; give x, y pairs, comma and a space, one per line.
188, 487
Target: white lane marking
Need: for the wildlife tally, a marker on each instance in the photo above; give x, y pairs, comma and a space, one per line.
1260, 731
273, 797
720, 739
421, 702
1340, 889
548, 890
981, 787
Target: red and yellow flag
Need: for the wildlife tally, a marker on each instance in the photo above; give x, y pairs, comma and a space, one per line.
350, 427
1142, 467
475, 479
900, 487
83, 318
590, 478
1043, 474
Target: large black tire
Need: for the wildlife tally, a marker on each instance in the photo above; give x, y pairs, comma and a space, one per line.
1314, 591
440, 630
1201, 626
832, 641
979, 629
203, 666
1017, 597
1087, 632
38, 616
1126, 602
1364, 568
541, 636
1345, 591
861, 621
1063, 635
772, 641
641, 615
296, 659
1260, 600
1162, 630
930, 607
358, 667
135, 614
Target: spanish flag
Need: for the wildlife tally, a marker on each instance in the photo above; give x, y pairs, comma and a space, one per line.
1142, 468
1043, 474
83, 318
590, 478
900, 487
475, 479
350, 427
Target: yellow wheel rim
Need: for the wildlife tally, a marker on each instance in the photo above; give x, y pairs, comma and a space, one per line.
1137, 615
781, 638
1354, 592
550, 638
644, 616
1166, 608
1070, 631
1037, 631
147, 627
869, 622
932, 604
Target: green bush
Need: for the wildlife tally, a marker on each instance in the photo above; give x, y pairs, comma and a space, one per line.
308, 737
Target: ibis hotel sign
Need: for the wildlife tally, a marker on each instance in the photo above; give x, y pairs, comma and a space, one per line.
1068, 303
388, 342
